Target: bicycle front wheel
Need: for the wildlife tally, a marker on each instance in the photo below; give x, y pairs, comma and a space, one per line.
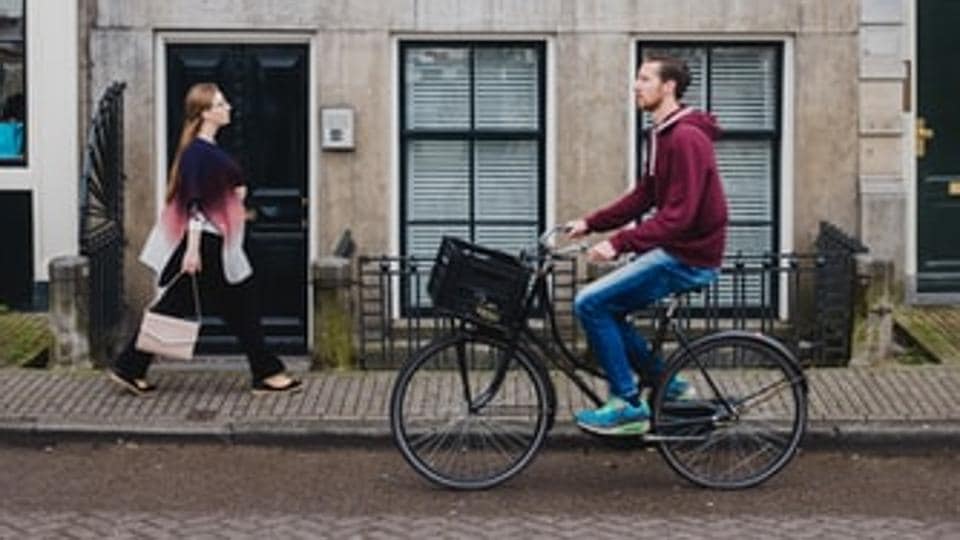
469, 412
745, 418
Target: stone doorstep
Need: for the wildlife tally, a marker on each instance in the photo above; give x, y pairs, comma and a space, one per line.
23, 334
934, 329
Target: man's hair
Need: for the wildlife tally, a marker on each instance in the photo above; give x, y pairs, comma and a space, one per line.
671, 69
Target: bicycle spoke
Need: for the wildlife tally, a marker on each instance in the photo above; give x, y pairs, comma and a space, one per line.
495, 442
440, 442
770, 437
429, 435
698, 456
507, 437
750, 457
454, 450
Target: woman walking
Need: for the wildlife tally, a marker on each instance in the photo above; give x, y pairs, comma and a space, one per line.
199, 242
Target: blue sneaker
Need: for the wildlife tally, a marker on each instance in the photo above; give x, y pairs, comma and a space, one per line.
679, 389
616, 417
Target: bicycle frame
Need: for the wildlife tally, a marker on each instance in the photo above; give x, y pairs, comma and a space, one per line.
569, 363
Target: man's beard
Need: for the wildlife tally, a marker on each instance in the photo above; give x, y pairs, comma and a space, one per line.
650, 106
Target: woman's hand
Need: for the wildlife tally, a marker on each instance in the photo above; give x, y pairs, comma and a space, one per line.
576, 229
191, 256
191, 262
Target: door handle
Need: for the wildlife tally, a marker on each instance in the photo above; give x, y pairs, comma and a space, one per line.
953, 188
924, 134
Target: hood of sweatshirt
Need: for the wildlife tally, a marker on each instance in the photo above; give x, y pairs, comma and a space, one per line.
703, 121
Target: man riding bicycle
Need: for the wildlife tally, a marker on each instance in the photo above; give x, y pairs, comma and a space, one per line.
679, 247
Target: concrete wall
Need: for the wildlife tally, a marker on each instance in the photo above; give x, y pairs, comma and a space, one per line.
592, 44
886, 144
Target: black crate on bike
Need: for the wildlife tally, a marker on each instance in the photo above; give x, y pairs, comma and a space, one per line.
478, 283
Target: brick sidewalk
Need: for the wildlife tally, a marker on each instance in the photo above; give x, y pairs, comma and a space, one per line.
123, 525
889, 402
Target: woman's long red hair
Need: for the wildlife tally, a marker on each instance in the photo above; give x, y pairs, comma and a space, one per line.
199, 98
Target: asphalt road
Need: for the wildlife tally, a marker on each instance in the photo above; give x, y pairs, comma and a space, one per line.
129, 488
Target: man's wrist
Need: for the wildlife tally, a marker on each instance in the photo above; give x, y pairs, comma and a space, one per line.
616, 242
587, 224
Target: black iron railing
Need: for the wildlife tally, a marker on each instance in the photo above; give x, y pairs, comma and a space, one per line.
768, 293
101, 218
804, 300
395, 316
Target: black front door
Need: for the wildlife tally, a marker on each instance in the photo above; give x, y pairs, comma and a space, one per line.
938, 141
16, 272
267, 86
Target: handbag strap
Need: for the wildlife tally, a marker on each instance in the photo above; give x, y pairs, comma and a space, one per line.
196, 293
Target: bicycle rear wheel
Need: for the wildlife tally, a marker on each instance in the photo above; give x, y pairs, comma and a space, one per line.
469, 412
746, 419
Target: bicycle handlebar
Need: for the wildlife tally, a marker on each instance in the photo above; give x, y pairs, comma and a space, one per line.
544, 247
550, 232
572, 249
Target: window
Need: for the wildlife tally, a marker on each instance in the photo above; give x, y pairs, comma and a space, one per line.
13, 108
471, 144
740, 84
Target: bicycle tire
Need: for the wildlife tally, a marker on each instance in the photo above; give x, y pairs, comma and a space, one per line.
423, 390
710, 440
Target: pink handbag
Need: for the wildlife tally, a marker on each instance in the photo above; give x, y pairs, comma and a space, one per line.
170, 336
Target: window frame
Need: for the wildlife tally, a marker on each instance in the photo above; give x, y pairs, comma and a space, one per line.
471, 135
23, 160
774, 135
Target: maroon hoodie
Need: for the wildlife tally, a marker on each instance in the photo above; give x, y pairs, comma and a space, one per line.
681, 181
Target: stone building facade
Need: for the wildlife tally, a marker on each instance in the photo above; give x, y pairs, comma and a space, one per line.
496, 118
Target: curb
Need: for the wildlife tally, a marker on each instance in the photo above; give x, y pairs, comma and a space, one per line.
902, 436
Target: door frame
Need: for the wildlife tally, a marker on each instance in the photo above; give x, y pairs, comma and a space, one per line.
161, 41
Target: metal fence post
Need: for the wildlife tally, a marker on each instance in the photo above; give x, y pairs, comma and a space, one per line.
69, 315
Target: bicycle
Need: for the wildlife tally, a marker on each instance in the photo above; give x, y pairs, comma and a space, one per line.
472, 408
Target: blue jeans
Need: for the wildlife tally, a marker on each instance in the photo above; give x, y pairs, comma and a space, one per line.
602, 307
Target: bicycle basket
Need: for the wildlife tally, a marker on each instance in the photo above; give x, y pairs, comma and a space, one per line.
478, 283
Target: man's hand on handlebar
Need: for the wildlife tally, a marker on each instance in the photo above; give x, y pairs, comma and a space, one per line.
576, 229
602, 252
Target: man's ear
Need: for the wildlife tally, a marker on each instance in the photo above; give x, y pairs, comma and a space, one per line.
670, 87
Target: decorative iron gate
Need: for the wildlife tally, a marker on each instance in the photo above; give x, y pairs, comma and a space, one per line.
101, 218
836, 283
